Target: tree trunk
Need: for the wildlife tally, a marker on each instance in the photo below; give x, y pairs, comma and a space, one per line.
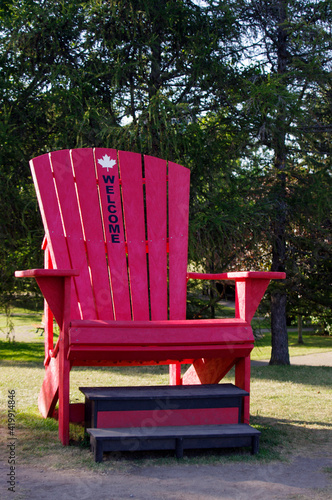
280, 354
155, 119
279, 336
299, 329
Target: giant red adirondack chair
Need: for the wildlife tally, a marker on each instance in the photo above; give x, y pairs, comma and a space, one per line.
116, 236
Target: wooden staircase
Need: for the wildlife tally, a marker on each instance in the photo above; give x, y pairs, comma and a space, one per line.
166, 417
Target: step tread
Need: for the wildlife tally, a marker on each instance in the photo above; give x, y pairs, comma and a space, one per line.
197, 431
158, 392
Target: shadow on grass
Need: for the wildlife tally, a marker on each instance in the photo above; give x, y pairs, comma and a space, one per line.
23, 352
283, 435
32, 428
279, 439
297, 374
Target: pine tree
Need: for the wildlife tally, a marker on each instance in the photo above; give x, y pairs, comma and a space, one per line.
289, 46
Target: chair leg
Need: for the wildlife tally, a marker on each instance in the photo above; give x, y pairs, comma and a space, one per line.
242, 380
207, 371
49, 391
64, 373
175, 374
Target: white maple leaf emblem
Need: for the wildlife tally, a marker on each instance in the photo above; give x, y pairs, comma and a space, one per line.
106, 162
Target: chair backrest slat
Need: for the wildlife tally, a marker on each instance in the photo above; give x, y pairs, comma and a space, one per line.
156, 208
133, 210
111, 204
87, 192
178, 213
51, 215
65, 186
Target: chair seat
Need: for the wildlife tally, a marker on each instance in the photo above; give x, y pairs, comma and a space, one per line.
158, 341
167, 332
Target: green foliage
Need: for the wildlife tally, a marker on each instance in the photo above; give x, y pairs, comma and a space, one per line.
240, 92
291, 73
323, 322
8, 328
74, 76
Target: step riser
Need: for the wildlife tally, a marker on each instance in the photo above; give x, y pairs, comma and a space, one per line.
173, 444
173, 438
159, 418
162, 406
166, 418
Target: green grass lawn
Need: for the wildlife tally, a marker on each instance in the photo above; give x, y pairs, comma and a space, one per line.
313, 344
32, 348
291, 405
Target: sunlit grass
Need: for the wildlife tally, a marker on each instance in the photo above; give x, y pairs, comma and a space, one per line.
289, 404
312, 344
29, 352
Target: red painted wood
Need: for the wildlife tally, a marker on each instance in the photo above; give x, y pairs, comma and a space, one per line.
48, 204
210, 371
175, 374
88, 199
156, 208
64, 368
49, 208
161, 418
64, 180
249, 286
51, 283
133, 208
76, 413
167, 324
46, 273
237, 275
110, 362
48, 395
178, 209
109, 191
52, 289
161, 332
48, 330
242, 380
82, 201
135, 355
249, 293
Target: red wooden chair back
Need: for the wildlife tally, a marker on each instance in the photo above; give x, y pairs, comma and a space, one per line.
117, 234
123, 223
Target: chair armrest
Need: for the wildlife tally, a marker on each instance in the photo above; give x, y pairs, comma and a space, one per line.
55, 285
241, 275
250, 287
46, 273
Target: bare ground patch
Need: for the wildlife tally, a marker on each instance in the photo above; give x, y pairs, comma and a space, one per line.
303, 476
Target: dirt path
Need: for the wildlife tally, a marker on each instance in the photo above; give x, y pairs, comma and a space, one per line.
316, 359
305, 476
302, 477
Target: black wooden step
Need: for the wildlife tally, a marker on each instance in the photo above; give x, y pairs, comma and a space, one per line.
176, 438
162, 405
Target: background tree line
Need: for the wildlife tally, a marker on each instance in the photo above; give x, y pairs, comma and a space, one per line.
239, 91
